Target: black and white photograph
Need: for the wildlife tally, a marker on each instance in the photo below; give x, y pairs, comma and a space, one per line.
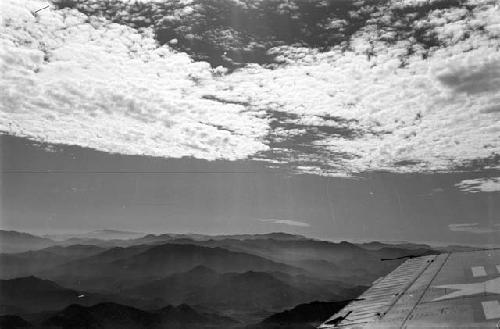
249, 164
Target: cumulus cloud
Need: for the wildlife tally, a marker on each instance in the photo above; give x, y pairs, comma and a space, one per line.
381, 97
472, 78
285, 222
68, 78
491, 184
386, 104
474, 228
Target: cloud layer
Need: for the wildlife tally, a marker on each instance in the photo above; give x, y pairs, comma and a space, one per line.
480, 185
68, 78
474, 228
388, 104
381, 97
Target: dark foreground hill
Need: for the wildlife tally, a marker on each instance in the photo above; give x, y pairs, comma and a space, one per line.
114, 316
13, 322
248, 291
304, 316
32, 295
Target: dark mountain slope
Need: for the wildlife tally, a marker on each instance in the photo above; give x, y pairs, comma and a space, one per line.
120, 267
33, 295
247, 291
304, 316
113, 316
176, 287
13, 322
185, 316
33, 262
242, 292
75, 251
28, 263
105, 315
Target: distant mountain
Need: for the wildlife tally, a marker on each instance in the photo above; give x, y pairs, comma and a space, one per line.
106, 234
377, 245
456, 248
304, 316
342, 261
124, 239
113, 316
13, 241
74, 251
118, 267
279, 236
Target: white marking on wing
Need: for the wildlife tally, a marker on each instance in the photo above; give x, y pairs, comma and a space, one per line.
478, 271
491, 309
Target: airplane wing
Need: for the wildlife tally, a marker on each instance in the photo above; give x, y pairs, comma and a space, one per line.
452, 290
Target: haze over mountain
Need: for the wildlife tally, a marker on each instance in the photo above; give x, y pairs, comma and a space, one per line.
13, 241
323, 259
36, 261
246, 277
160, 260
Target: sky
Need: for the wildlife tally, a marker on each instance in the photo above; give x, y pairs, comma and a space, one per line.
336, 119
90, 190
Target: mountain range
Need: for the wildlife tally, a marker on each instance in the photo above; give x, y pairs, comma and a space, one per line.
247, 280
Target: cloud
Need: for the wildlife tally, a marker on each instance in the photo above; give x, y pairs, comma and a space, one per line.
389, 105
386, 97
472, 78
72, 79
475, 228
285, 222
491, 184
